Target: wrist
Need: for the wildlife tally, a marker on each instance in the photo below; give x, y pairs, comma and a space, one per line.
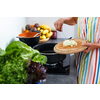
96, 45
63, 20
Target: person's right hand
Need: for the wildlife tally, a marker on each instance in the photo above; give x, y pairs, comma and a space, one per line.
58, 24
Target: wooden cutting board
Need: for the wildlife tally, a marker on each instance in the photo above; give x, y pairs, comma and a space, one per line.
59, 48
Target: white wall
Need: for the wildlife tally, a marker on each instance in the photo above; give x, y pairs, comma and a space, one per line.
10, 27
67, 30
76, 31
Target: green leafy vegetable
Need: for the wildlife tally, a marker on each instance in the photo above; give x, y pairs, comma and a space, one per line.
2, 52
24, 50
13, 62
13, 72
36, 72
40, 58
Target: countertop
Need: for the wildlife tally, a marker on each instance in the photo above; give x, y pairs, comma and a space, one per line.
56, 40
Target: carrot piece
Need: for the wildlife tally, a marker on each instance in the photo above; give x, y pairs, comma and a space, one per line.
26, 31
32, 26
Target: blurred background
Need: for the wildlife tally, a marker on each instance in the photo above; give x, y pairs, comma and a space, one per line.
10, 27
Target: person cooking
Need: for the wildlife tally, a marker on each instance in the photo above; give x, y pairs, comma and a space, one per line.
87, 61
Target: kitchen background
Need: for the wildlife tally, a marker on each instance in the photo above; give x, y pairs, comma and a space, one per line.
10, 27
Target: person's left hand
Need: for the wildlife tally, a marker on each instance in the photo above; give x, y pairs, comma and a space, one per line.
90, 46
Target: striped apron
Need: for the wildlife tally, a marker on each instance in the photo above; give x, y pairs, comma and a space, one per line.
88, 65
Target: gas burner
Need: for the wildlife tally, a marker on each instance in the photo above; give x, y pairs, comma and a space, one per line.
57, 68
54, 65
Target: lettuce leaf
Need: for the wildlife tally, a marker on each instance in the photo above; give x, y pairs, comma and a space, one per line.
40, 59
13, 62
23, 49
2, 52
20, 49
13, 72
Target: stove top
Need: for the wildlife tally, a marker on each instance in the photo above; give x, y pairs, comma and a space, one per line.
58, 69
62, 67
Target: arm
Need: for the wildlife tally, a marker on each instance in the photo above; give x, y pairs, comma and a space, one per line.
70, 21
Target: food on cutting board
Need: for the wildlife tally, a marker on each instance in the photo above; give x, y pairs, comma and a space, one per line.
45, 30
69, 43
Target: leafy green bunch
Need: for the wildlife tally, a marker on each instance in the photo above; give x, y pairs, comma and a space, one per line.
13, 62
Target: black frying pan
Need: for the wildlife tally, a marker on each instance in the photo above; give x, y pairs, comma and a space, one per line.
47, 50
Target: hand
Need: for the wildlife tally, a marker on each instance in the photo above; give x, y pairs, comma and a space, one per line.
58, 24
90, 46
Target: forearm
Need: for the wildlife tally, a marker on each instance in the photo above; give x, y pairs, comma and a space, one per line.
70, 20
96, 45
